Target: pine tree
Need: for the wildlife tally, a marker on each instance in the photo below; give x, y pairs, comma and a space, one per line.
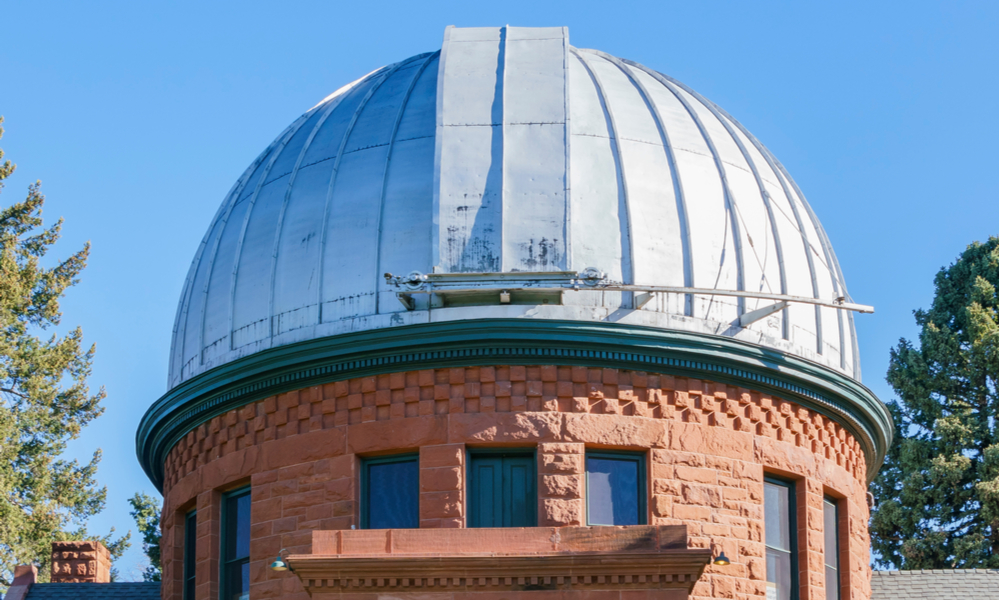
44, 397
146, 513
937, 494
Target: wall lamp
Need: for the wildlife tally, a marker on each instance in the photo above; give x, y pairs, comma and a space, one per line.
280, 565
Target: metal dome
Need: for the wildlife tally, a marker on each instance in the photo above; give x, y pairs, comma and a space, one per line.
512, 175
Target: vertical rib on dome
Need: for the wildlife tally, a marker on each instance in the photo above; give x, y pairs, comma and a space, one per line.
765, 197
625, 224
678, 189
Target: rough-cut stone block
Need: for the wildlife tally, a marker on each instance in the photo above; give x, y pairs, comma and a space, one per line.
405, 434
447, 455
441, 479
560, 512
562, 463
438, 505
561, 486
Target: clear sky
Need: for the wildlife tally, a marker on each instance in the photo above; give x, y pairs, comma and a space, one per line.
139, 116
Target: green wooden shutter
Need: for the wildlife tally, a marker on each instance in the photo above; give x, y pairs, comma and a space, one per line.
519, 491
485, 498
502, 491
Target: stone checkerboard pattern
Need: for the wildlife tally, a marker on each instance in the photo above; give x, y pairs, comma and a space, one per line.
511, 389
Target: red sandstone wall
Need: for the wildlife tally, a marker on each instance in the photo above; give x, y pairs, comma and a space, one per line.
709, 446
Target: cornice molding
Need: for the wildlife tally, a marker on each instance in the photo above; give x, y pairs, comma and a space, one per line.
512, 342
595, 571
500, 559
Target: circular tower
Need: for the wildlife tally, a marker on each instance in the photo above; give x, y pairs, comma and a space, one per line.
515, 317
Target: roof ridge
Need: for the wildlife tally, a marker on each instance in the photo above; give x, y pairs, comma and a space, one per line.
935, 572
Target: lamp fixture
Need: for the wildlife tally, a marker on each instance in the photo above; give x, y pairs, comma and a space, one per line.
279, 563
721, 559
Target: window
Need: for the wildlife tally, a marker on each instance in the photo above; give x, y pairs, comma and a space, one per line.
616, 488
779, 539
831, 549
236, 545
502, 489
390, 487
190, 537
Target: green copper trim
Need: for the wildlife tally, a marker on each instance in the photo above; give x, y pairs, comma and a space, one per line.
516, 342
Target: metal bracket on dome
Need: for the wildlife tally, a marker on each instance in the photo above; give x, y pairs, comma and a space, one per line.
756, 315
434, 290
441, 283
482, 288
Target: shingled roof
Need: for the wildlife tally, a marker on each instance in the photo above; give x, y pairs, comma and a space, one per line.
94, 591
937, 584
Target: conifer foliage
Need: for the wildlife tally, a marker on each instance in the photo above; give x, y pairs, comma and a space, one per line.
44, 397
936, 497
146, 513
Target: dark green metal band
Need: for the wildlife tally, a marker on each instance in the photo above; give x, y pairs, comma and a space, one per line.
515, 342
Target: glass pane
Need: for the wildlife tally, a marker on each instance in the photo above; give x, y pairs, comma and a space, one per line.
190, 537
830, 534
831, 553
600, 500
238, 526
392, 495
776, 522
238, 581
612, 491
779, 575
832, 584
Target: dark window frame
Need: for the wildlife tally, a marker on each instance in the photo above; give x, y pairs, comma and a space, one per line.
793, 531
836, 504
190, 560
366, 463
224, 591
643, 475
514, 452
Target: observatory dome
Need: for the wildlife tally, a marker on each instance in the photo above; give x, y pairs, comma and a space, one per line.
511, 175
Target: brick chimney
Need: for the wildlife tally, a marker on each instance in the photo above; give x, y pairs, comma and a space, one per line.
24, 577
80, 562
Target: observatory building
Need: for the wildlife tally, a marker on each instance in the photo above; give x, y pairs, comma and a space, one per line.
515, 320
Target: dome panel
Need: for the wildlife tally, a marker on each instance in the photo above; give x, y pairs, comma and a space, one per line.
512, 156
598, 221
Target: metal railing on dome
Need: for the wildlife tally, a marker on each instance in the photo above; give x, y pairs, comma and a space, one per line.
545, 287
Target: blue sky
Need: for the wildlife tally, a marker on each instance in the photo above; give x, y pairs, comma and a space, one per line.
138, 117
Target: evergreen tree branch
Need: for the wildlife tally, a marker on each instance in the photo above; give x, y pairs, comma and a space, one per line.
937, 491
45, 399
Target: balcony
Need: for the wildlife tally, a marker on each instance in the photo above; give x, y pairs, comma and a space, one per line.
644, 557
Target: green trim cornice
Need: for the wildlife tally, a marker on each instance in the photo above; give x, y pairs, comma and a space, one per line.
514, 342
